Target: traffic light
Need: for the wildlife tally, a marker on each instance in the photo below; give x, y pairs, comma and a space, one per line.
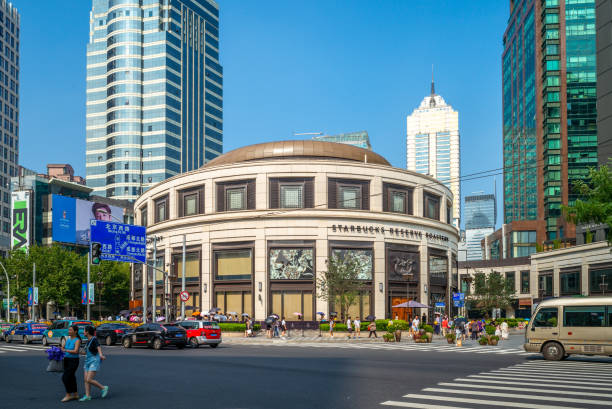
96, 253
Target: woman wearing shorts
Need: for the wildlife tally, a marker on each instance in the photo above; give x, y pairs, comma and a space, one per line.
92, 364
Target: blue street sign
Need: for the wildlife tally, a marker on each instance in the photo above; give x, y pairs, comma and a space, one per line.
120, 242
458, 296
440, 304
458, 303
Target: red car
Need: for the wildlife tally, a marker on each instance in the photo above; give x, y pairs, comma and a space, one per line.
202, 333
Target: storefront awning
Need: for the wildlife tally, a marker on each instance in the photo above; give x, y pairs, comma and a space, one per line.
524, 302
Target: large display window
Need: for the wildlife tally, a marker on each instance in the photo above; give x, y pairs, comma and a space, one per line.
192, 266
291, 264
239, 302
364, 257
233, 264
287, 303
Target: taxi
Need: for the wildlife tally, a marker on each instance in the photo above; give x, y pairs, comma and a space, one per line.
57, 333
201, 332
4, 326
6, 332
26, 332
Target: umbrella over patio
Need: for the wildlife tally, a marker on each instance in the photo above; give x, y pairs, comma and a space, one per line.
244, 314
370, 318
410, 304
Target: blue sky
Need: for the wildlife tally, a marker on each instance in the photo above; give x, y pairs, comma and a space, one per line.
295, 66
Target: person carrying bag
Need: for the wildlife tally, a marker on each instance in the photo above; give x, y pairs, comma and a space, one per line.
93, 358
71, 363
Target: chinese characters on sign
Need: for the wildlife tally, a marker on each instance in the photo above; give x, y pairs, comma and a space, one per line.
120, 242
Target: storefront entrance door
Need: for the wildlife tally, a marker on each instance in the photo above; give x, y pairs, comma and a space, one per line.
401, 313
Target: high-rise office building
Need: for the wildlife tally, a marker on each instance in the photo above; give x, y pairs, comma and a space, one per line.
9, 114
549, 115
154, 92
359, 139
604, 81
480, 214
432, 145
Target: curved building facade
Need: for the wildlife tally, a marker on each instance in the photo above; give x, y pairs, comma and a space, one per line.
259, 224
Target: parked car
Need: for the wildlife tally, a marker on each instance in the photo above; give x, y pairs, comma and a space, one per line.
111, 333
27, 332
3, 327
156, 336
58, 331
202, 332
6, 332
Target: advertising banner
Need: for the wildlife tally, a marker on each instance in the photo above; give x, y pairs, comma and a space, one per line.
20, 226
30, 296
91, 294
120, 242
84, 293
71, 218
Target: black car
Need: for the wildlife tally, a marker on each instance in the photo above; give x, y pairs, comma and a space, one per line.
156, 336
111, 333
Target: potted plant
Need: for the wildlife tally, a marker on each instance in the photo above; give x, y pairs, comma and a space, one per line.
427, 336
450, 338
483, 341
493, 340
396, 331
388, 337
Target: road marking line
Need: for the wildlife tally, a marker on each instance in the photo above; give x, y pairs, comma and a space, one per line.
488, 402
510, 382
603, 367
564, 371
514, 388
557, 375
515, 396
418, 405
14, 349
540, 379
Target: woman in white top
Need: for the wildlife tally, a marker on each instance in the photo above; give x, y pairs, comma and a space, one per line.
504, 330
357, 325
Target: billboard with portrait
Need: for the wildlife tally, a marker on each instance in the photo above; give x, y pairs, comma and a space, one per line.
71, 218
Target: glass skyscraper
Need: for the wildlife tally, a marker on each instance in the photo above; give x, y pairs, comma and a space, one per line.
480, 215
432, 144
154, 92
9, 113
549, 113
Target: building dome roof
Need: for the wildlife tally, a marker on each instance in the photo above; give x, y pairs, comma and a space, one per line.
298, 149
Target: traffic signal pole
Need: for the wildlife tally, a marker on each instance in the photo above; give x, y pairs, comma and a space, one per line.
88, 278
154, 306
8, 295
183, 279
34, 292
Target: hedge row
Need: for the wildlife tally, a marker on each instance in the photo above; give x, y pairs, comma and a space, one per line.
236, 327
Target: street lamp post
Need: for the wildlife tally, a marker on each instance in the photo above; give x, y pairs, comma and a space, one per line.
8, 295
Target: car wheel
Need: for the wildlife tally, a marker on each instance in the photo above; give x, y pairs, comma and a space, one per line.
553, 351
45, 342
26, 341
63, 342
157, 344
214, 345
109, 340
194, 342
127, 343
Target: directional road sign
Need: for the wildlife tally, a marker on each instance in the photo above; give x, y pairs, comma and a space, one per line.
120, 242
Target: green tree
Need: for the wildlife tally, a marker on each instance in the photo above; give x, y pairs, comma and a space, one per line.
115, 279
340, 284
492, 291
596, 207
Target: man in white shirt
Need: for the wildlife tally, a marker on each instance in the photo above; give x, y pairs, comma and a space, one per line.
349, 329
357, 324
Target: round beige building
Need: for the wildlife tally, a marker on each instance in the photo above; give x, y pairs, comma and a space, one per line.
260, 222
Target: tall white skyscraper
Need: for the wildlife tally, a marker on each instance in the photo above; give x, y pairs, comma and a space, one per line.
432, 144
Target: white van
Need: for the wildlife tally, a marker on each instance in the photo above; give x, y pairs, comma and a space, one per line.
575, 325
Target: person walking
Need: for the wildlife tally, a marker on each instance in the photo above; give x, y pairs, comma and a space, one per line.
372, 329
247, 328
94, 357
349, 329
504, 330
357, 324
332, 324
283, 327
437, 325
71, 363
445, 325
475, 330
415, 325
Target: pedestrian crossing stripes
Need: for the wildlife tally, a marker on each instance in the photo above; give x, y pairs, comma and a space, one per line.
6, 348
395, 346
536, 384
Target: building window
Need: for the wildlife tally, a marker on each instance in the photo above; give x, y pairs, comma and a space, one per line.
570, 283
600, 281
286, 303
291, 196
397, 199
192, 266
161, 209
591, 316
191, 201
525, 282
431, 206
545, 285
349, 197
291, 193
143, 216
291, 264
235, 198
511, 280
240, 302
348, 194
238, 195
233, 264
364, 259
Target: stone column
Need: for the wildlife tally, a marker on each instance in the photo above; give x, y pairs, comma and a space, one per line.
259, 276
423, 276
206, 287
380, 300
321, 304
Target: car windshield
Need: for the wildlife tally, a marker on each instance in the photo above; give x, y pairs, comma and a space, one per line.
211, 325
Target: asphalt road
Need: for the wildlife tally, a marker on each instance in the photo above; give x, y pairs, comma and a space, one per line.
252, 376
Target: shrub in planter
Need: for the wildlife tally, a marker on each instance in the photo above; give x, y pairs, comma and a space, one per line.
483, 341
418, 334
450, 338
493, 339
427, 328
490, 330
388, 337
429, 336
